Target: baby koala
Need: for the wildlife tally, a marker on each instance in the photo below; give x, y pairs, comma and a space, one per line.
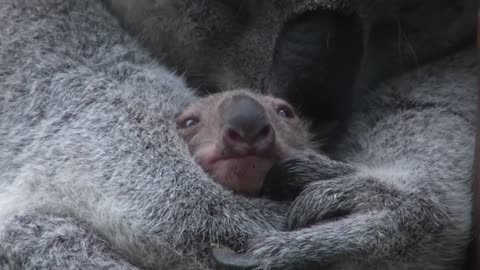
237, 136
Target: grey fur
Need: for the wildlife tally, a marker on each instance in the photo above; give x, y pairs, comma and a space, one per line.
230, 44
94, 176
225, 44
87, 136
400, 196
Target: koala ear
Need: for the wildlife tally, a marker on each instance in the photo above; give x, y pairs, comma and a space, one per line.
229, 260
315, 63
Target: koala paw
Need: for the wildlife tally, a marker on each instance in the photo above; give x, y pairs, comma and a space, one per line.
286, 180
337, 198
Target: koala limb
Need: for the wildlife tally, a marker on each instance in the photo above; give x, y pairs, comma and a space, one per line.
286, 180
39, 241
404, 199
345, 218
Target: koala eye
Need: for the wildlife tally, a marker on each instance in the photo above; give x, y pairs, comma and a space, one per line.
285, 112
188, 123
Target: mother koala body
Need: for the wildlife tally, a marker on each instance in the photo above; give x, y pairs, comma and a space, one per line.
313, 53
391, 184
94, 175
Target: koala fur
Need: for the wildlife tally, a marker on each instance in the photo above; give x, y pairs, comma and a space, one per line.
94, 176
398, 195
90, 163
317, 54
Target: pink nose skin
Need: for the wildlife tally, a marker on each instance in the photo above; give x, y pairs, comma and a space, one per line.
247, 127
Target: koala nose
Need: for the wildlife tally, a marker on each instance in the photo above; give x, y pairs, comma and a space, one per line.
246, 122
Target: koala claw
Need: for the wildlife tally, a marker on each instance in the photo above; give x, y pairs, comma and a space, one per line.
230, 260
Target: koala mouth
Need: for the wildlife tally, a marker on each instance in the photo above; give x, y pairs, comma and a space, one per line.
244, 175
243, 171
239, 158
246, 166
246, 162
